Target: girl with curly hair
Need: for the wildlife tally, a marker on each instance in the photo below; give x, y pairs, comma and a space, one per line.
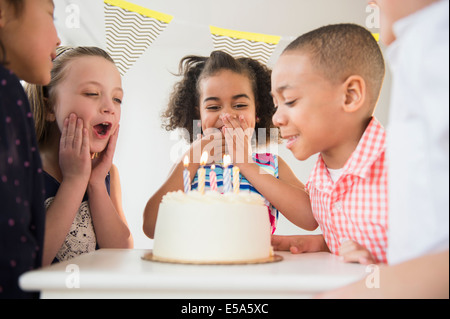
228, 100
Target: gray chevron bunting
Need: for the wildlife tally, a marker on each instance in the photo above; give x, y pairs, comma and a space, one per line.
244, 44
130, 30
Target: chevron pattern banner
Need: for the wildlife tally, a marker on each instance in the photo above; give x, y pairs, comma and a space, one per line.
244, 44
130, 30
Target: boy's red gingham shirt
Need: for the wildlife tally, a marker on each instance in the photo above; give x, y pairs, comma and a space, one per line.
356, 206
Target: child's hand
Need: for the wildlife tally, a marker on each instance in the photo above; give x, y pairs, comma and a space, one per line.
102, 165
212, 142
299, 243
74, 153
351, 251
238, 137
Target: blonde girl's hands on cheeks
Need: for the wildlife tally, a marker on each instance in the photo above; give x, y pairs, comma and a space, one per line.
74, 151
75, 166
102, 165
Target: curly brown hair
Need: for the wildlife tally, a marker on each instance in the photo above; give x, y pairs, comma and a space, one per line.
183, 108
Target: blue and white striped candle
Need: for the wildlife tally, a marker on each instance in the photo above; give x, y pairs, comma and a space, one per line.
226, 174
202, 173
186, 175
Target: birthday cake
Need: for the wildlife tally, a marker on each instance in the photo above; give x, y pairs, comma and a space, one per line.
212, 228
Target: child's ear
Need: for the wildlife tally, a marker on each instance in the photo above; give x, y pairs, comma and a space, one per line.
2, 13
5, 11
355, 93
50, 117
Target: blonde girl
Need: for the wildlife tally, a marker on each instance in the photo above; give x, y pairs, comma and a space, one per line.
77, 121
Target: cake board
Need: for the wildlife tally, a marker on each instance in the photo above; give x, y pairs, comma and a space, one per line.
271, 259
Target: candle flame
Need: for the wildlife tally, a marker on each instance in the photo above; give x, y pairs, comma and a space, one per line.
226, 160
213, 167
204, 158
186, 161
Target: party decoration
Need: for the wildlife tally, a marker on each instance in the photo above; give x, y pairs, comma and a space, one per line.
186, 175
236, 180
130, 30
213, 179
376, 36
244, 44
226, 174
202, 173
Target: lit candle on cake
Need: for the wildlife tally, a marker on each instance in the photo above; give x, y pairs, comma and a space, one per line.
236, 180
226, 174
186, 175
213, 179
202, 173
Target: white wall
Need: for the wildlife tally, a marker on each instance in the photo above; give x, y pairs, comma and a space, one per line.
144, 148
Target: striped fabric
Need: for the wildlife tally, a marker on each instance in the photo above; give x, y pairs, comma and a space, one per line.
267, 162
356, 206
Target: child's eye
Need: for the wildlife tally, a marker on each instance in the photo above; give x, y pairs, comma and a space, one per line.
291, 103
240, 106
91, 94
213, 108
117, 100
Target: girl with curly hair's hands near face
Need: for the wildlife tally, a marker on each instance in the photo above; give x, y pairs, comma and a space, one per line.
228, 101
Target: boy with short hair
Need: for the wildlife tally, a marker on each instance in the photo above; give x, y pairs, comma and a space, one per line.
417, 33
326, 85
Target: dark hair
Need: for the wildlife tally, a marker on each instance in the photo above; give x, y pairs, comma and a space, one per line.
342, 50
183, 107
18, 9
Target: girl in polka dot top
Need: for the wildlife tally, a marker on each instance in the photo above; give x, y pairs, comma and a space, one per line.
25, 26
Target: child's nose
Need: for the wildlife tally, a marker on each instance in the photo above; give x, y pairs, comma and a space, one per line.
107, 107
279, 119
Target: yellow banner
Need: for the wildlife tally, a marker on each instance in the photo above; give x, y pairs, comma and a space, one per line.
256, 37
141, 10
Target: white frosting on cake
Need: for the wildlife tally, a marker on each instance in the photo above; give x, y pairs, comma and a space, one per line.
213, 197
212, 228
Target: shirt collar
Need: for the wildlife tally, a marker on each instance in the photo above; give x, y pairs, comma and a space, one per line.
370, 147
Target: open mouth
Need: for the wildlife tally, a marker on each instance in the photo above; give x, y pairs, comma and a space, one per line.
290, 140
102, 129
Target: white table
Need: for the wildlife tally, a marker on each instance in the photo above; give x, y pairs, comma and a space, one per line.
121, 273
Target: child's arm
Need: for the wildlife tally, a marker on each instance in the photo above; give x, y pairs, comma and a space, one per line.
423, 277
173, 183
286, 193
75, 167
298, 244
175, 179
109, 220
